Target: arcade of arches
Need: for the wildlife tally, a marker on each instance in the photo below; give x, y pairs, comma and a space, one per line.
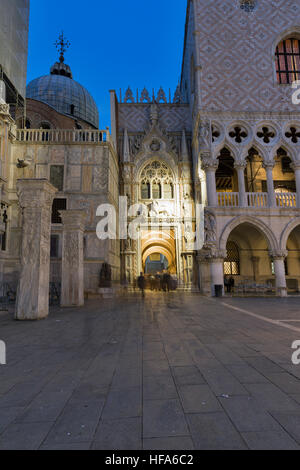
251, 262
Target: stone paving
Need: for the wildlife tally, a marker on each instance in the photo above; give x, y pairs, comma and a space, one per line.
174, 372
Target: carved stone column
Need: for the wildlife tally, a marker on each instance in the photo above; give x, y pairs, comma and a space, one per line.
203, 259
217, 270
278, 258
35, 199
268, 166
296, 168
72, 289
210, 167
240, 168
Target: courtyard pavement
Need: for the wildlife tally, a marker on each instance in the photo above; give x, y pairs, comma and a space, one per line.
174, 372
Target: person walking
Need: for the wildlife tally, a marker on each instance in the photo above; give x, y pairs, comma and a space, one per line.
141, 284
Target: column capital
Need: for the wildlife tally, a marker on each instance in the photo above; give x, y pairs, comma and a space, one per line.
73, 219
211, 255
240, 165
209, 164
278, 255
269, 165
295, 165
35, 193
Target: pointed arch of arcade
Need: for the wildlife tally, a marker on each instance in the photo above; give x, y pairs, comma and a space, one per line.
287, 232
256, 223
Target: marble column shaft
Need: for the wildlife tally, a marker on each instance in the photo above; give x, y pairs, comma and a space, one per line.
35, 199
72, 291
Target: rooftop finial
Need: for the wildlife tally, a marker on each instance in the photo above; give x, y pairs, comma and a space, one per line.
62, 44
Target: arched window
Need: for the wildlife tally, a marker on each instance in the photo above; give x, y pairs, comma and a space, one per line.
45, 125
232, 262
157, 181
288, 61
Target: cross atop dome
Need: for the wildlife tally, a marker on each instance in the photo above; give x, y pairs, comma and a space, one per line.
60, 68
62, 45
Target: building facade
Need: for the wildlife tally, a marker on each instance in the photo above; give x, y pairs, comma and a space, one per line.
228, 141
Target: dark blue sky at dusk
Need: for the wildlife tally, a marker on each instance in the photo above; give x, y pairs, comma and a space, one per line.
114, 44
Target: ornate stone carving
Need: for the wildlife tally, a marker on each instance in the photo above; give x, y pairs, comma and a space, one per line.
210, 228
35, 199
73, 258
129, 96
161, 209
205, 135
145, 96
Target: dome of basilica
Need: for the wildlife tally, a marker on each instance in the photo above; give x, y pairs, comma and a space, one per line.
64, 94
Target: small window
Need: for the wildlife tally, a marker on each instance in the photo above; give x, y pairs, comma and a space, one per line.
288, 61
168, 191
156, 191
146, 191
58, 205
57, 176
72, 109
54, 246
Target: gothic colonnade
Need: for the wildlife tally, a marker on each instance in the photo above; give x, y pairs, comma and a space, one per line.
210, 166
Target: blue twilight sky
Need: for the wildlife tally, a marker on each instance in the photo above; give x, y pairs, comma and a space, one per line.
114, 44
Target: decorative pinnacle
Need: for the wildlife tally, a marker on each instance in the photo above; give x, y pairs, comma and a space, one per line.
62, 44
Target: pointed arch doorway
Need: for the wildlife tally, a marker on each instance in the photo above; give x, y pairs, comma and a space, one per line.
159, 246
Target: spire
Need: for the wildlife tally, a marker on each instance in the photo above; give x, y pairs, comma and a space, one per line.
126, 151
184, 149
60, 68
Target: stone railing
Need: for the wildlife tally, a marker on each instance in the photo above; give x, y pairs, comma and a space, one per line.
61, 136
228, 199
286, 199
257, 199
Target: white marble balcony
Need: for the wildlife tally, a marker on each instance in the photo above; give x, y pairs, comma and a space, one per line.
62, 136
257, 200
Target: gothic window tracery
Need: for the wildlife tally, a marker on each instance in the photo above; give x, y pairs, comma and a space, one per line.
157, 181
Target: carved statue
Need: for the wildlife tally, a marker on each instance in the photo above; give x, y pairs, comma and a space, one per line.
105, 276
204, 135
157, 209
210, 228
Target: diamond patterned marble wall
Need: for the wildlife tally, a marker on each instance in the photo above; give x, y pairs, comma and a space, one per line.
235, 53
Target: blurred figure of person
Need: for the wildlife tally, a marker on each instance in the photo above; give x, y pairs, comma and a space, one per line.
227, 284
165, 281
231, 284
141, 284
152, 283
170, 283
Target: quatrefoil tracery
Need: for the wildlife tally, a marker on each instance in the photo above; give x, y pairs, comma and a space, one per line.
238, 134
293, 134
266, 134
